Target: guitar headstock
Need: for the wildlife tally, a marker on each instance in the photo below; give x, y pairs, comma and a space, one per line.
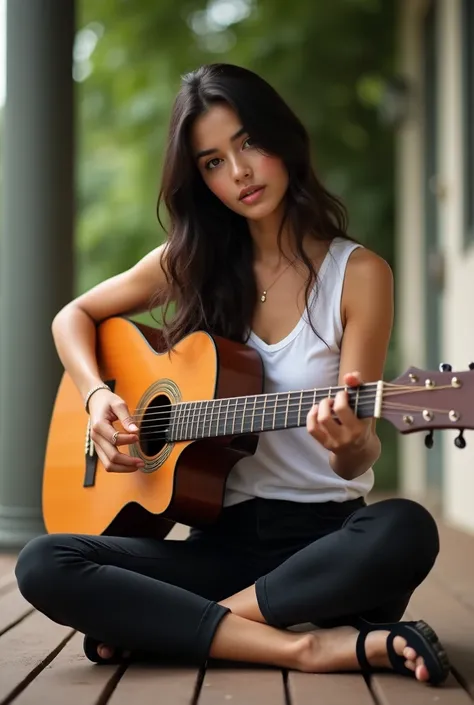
426, 400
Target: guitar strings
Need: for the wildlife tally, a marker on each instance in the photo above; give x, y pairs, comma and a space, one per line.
239, 422
178, 411
195, 425
369, 387
323, 392
177, 414
266, 401
156, 430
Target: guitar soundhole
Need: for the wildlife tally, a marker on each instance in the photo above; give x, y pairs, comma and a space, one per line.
155, 426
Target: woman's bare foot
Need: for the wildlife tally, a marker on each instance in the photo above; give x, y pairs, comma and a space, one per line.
329, 650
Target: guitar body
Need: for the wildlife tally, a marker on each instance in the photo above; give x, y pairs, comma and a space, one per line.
182, 480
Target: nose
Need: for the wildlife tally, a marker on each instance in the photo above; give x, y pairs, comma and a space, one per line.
240, 170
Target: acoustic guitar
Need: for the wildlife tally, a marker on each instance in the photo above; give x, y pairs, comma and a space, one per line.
199, 409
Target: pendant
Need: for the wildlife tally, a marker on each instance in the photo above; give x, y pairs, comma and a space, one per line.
263, 297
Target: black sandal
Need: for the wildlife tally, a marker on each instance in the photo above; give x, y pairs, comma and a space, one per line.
91, 646
419, 636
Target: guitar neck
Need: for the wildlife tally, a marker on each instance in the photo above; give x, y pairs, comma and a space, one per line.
262, 412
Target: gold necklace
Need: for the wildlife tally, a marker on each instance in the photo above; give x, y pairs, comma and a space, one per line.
263, 296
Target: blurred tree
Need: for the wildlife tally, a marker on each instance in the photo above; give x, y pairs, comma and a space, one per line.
329, 60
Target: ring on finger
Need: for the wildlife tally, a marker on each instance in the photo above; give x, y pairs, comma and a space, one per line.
114, 437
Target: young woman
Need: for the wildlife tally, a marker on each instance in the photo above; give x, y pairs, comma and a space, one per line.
257, 251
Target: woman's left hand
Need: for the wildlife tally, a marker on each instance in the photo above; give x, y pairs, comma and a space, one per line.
346, 434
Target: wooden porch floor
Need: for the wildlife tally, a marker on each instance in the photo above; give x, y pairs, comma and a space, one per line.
41, 662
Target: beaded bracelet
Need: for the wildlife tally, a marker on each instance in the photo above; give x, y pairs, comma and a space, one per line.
93, 391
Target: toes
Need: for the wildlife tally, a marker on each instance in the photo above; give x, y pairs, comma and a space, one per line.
417, 665
410, 654
399, 644
401, 648
421, 671
105, 651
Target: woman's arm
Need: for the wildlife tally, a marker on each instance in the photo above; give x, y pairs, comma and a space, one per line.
74, 327
367, 316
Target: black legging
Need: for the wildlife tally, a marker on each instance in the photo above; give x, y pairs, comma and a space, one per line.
325, 564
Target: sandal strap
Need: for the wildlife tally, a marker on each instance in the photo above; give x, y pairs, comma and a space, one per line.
423, 639
360, 651
367, 627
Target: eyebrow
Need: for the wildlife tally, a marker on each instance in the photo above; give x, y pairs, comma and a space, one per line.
206, 152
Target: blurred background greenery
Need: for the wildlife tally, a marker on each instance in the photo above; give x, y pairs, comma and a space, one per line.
332, 62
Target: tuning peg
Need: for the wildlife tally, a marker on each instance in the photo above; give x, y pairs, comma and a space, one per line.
460, 441
445, 367
429, 440
471, 365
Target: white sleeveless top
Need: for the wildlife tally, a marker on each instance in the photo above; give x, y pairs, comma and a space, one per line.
290, 464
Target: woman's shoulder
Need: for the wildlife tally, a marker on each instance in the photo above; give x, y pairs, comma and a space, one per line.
359, 260
129, 292
364, 262
368, 283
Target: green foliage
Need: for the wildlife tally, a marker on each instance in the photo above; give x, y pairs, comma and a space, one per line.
329, 60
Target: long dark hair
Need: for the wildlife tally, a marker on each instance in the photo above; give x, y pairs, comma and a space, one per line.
209, 250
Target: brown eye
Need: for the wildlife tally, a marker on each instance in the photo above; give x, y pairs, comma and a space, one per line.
210, 164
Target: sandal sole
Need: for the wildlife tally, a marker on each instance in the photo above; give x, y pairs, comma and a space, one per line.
440, 653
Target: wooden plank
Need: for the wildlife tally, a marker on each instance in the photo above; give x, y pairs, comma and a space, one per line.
7, 563
71, 678
328, 689
454, 567
25, 650
453, 622
150, 684
7, 575
179, 531
7, 583
397, 690
13, 608
242, 686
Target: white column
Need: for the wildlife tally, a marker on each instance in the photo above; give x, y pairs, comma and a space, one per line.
410, 297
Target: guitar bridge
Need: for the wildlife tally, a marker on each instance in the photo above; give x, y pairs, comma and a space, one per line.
90, 454
89, 449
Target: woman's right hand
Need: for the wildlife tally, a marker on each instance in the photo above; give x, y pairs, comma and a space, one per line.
105, 408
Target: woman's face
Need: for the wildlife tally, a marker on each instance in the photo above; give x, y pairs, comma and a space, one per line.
231, 164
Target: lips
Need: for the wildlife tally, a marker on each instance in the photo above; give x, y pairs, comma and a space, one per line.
249, 190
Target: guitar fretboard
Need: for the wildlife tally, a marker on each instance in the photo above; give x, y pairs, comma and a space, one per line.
258, 413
